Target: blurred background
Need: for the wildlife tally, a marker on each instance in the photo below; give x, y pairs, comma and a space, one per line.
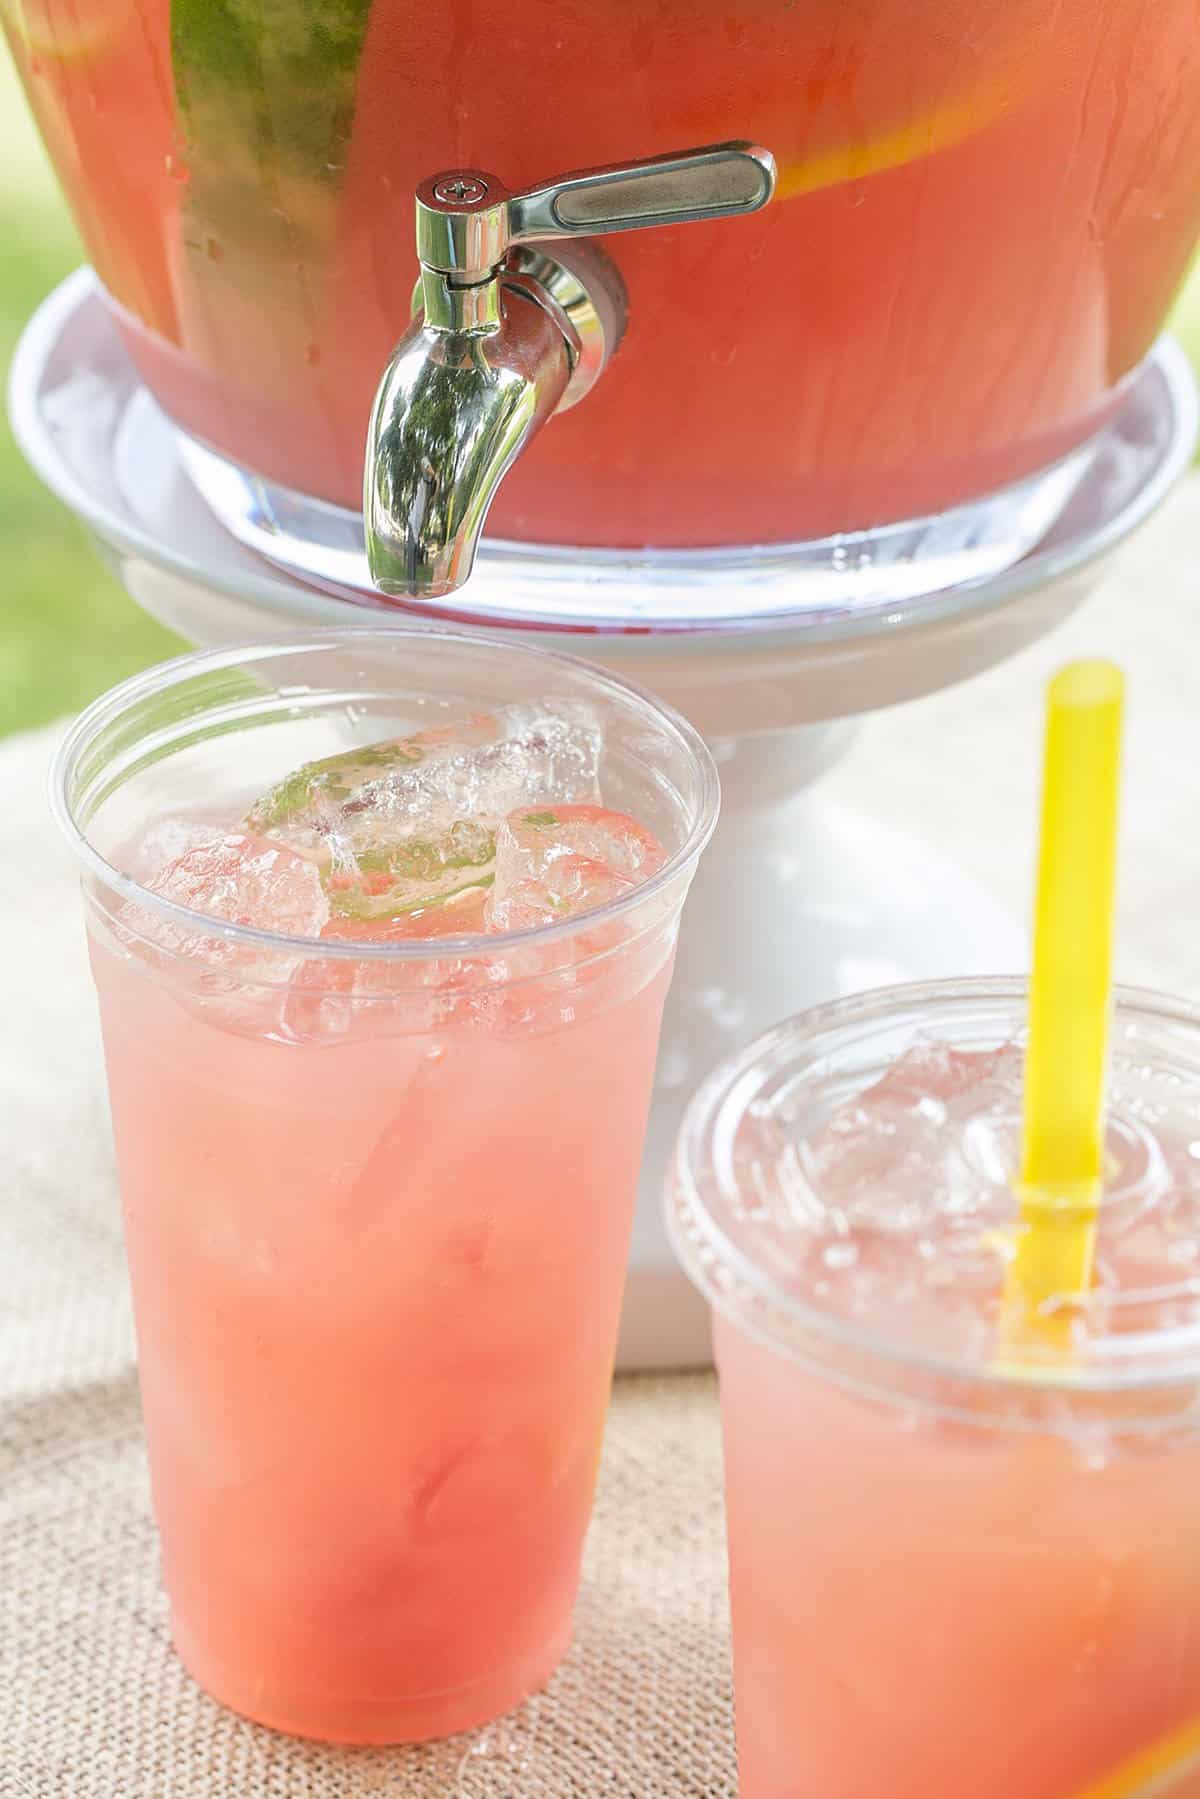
69, 630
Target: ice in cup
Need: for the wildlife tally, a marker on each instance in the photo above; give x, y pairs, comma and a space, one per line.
961, 1567
381, 924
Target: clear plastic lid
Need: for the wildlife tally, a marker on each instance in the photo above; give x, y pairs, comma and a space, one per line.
843, 1191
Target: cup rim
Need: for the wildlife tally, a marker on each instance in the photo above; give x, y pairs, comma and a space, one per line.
161, 676
692, 1222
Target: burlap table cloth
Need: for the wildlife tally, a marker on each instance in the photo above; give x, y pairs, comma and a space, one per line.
93, 1704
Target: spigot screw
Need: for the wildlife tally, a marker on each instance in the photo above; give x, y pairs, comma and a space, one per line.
460, 190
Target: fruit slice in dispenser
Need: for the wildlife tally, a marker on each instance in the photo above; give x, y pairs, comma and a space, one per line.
264, 101
95, 85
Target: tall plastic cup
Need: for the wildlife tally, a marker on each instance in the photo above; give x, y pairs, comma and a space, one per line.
377, 1196
955, 1570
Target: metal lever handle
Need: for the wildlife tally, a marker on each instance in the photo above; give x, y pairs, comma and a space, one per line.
505, 336
712, 183
467, 220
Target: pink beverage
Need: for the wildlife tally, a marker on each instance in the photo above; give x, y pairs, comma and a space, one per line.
958, 1571
381, 925
984, 210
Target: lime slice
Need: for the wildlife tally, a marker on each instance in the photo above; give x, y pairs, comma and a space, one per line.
299, 802
1168, 1769
460, 914
415, 873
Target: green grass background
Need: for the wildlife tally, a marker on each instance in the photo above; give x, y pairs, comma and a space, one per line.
69, 630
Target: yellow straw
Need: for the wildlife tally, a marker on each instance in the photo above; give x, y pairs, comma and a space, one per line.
1062, 1153
1069, 1000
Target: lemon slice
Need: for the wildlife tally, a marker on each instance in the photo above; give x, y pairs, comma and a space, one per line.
1168, 1769
955, 120
60, 33
873, 88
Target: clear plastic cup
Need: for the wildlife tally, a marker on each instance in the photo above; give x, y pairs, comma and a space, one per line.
959, 1565
377, 1196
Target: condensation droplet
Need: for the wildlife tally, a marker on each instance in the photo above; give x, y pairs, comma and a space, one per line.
839, 1255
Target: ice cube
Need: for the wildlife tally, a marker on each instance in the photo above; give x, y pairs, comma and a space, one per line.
165, 841
941, 1073
304, 802
555, 862
892, 1160
235, 879
917, 1175
243, 880
401, 825
333, 999
466, 1485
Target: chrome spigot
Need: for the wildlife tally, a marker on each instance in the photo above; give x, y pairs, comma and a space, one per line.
505, 335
